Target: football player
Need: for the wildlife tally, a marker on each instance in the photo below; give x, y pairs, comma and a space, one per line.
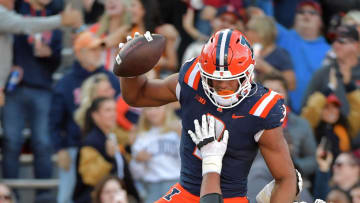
219, 83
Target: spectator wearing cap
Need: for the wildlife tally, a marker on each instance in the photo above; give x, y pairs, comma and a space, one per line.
226, 17
342, 77
352, 18
306, 46
331, 124
65, 133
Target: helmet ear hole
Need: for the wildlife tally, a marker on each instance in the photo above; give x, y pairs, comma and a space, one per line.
212, 40
237, 41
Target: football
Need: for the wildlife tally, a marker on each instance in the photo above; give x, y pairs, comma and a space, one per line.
139, 55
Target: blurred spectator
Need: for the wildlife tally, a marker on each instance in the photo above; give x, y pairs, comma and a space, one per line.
334, 9
145, 16
110, 190
346, 170
297, 131
36, 57
261, 32
323, 113
12, 23
209, 10
306, 46
99, 153
93, 10
284, 11
352, 18
226, 17
65, 133
337, 196
112, 27
342, 76
6, 195
156, 158
172, 12
98, 85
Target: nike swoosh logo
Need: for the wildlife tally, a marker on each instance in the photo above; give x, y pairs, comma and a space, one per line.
236, 117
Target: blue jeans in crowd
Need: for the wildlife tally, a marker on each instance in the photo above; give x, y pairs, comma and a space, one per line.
27, 106
67, 179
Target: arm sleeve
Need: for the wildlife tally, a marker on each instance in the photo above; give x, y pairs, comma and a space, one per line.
11, 22
354, 115
92, 166
57, 120
306, 161
313, 109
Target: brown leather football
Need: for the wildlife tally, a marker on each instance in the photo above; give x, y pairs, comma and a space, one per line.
139, 55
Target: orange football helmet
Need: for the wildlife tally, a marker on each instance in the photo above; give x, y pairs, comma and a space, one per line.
227, 56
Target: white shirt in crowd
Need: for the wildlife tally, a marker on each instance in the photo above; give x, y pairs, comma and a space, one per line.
165, 161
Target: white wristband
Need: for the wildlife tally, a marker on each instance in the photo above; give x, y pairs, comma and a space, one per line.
211, 164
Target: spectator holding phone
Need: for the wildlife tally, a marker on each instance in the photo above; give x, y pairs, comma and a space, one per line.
323, 111
346, 170
99, 152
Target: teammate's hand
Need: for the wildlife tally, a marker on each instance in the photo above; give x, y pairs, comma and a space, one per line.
212, 151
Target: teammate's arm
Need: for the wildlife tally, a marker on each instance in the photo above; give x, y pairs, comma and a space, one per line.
277, 157
212, 153
139, 91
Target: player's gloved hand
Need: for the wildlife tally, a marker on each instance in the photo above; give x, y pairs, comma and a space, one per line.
212, 151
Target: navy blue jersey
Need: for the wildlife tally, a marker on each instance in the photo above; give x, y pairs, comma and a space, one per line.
245, 122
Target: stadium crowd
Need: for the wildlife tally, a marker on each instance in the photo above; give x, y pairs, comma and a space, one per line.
107, 151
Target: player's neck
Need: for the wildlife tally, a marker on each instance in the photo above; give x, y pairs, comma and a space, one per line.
36, 5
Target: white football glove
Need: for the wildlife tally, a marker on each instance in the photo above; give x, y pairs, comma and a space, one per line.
212, 151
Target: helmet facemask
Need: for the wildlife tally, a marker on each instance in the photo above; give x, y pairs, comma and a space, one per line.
230, 98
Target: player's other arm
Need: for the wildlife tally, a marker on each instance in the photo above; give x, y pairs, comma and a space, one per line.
140, 91
277, 156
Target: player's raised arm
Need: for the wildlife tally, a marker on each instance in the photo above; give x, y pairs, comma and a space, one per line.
136, 58
275, 151
139, 91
